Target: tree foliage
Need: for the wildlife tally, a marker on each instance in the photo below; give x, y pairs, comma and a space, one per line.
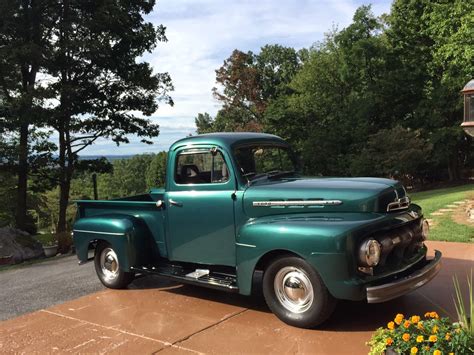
378, 81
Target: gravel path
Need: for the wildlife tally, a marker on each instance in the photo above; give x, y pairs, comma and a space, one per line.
37, 286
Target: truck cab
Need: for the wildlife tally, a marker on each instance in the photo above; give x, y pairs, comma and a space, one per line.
235, 204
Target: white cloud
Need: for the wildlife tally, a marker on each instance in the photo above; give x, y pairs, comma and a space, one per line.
203, 33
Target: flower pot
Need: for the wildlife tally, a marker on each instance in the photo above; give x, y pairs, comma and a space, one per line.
50, 250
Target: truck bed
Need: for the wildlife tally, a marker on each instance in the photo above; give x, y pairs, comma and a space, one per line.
140, 207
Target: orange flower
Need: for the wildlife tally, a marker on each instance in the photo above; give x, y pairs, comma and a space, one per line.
433, 338
435, 329
419, 338
427, 314
406, 336
398, 318
389, 341
406, 324
415, 319
390, 325
448, 336
414, 350
420, 325
436, 352
434, 315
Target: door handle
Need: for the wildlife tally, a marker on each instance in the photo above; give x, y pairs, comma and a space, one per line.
175, 203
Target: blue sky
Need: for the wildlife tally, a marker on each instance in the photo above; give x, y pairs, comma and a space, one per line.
202, 33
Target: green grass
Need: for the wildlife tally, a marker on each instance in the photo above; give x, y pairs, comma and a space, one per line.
445, 228
433, 200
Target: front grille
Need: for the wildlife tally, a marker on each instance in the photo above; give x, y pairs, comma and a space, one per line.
399, 246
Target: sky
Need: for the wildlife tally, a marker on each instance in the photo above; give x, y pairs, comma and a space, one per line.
202, 33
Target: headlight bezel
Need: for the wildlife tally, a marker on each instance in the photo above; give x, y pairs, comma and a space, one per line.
370, 252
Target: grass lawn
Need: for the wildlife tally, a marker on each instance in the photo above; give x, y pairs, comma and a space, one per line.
445, 228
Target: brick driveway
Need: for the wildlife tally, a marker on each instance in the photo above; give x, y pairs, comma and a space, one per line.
156, 315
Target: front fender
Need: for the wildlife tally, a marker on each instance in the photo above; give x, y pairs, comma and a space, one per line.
127, 235
321, 240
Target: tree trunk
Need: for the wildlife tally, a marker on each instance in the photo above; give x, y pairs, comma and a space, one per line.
21, 208
453, 168
66, 162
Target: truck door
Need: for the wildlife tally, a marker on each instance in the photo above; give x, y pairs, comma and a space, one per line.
200, 207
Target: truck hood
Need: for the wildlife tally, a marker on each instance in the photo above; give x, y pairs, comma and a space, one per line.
303, 195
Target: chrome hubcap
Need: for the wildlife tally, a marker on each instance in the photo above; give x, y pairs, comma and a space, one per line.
293, 289
109, 264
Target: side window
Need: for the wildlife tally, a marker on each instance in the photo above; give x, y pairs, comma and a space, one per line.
200, 167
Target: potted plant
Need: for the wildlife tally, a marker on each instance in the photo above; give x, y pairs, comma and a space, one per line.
50, 244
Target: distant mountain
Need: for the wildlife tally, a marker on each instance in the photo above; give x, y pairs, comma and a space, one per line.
108, 157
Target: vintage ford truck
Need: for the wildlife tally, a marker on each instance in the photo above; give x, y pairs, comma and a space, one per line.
234, 204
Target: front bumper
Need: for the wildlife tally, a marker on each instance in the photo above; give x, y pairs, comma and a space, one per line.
406, 284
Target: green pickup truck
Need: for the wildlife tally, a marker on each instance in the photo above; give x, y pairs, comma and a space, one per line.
234, 206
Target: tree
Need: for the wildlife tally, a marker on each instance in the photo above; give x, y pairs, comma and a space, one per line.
249, 82
432, 41
25, 35
204, 123
156, 171
99, 80
378, 158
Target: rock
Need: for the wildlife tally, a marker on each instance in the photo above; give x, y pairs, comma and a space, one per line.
18, 246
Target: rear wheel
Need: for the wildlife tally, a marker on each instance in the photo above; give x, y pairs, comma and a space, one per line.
108, 268
295, 292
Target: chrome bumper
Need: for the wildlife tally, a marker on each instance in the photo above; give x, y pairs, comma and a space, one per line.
394, 289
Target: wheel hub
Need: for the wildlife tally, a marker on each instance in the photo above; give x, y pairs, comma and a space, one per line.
109, 264
293, 289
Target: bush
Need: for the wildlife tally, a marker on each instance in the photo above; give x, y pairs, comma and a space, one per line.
414, 335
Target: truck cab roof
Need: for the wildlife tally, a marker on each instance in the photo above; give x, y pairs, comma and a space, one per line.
227, 139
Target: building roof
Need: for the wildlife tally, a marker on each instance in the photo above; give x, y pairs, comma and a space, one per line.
227, 139
468, 87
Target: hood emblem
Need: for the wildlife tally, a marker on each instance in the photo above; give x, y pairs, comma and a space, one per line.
399, 204
297, 203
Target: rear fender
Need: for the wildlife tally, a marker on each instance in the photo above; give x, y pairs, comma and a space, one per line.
128, 236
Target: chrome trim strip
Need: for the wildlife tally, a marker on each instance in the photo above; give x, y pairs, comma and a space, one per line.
97, 232
246, 245
297, 203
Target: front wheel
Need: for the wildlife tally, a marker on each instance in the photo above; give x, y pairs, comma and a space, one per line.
108, 269
296, 294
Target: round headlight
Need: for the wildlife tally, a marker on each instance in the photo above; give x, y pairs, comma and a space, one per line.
425, 229
369, 253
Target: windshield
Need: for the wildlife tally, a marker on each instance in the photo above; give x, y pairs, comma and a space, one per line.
264, 160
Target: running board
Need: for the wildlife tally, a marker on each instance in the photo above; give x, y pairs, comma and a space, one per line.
201, 277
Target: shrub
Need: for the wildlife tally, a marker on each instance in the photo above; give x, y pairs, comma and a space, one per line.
416, 335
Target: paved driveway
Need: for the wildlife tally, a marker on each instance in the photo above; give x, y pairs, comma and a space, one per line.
155, 315
37, 286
